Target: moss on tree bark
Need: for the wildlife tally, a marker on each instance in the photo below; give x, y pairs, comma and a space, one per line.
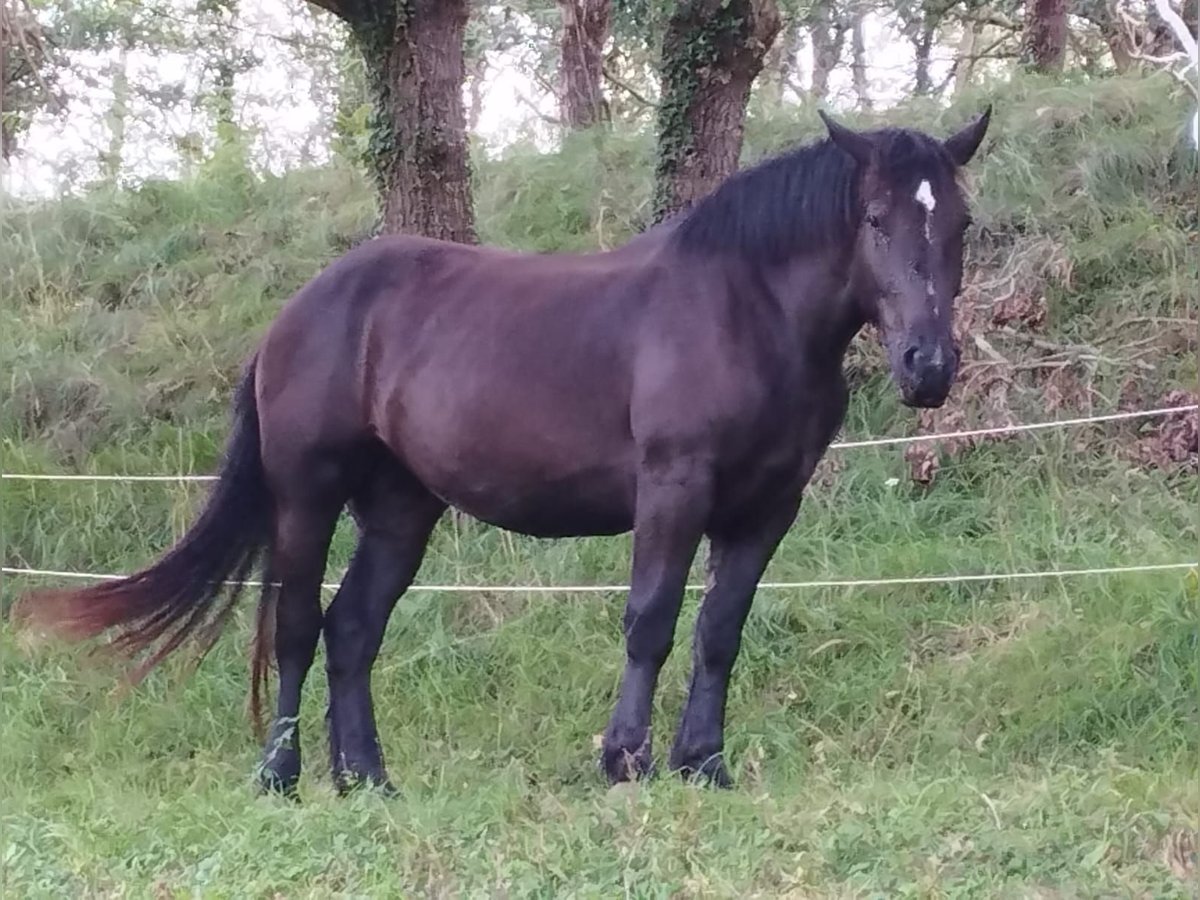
712, 52
417, 148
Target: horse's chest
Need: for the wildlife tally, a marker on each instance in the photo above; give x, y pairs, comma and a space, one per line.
780, 454
766, 468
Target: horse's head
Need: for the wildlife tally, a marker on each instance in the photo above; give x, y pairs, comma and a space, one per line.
909, 247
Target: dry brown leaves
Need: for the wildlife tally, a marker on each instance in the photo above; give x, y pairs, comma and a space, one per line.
988, 386
1015, 295
1179, 853
1013, 298
1172, 443
1009, 364
827, 470
1011, 370
959, 643
1028, 310
485, 612
923, 462
1062, 388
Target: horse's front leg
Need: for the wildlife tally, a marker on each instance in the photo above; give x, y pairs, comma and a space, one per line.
735, 564
672, 506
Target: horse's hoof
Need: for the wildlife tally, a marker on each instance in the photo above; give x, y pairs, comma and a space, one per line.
348, 782
282, 783
622, 765
708, 770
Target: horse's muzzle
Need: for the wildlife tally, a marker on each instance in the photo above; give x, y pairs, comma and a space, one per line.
927, 372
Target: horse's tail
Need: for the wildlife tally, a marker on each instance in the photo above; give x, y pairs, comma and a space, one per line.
183, 594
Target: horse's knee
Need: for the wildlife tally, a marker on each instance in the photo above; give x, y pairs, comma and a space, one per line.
650, 629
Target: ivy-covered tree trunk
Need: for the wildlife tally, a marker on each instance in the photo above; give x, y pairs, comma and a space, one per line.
223, 96
712, 52
418, 154
1044, 45
581, 62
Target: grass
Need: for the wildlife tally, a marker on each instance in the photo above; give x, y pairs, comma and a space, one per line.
1004, 739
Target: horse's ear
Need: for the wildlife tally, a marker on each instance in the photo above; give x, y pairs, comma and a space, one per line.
962, 146
859, 146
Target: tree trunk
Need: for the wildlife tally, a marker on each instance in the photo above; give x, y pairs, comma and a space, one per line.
417, 153
779, 66
223, 97
1118, 46
858, 65
964, 62
828, 33
712, 52
922, 46
1111, 29
581, 62
1190, 13
116, 119
1044, 46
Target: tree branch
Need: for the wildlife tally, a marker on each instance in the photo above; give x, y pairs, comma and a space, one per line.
525, 101
1183, 34
999, 20
351, 11
26, 35
1188, 55
628, 88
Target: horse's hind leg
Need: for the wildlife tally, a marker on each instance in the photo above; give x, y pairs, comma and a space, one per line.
395, 516
303, 531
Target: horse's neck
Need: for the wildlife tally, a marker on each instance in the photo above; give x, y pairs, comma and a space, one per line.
822, 312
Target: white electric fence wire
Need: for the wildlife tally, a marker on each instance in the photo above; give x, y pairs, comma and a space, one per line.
843, 445
766, 585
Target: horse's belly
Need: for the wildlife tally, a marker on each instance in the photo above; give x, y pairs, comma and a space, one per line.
533, 441
584, 502
588, 503
522, 481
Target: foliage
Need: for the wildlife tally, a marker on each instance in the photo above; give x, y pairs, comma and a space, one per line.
1031, 738
372, 35
594, 192
28, 71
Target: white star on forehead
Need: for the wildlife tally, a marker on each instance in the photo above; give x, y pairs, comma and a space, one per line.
925, 196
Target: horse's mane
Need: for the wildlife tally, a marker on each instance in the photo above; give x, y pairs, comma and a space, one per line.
806, 197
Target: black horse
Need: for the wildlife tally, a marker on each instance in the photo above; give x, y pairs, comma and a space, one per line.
684, 385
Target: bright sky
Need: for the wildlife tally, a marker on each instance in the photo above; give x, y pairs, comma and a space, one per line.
275, 99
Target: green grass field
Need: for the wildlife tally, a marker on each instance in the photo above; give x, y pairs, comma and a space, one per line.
1031, 738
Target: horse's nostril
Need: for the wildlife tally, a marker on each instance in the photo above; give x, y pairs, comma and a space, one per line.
911, 356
